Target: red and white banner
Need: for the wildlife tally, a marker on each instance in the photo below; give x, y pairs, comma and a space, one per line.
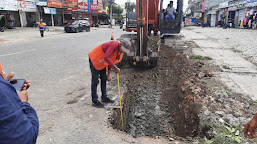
82, 4
96, 5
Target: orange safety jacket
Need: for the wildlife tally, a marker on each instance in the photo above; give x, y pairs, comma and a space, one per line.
97, 57
41, 25
2, 71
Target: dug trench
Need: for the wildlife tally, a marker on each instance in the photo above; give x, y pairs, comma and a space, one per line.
159, 101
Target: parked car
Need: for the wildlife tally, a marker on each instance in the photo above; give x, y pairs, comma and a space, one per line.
77, 26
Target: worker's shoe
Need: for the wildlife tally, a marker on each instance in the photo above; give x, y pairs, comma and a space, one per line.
98, 104
107, 100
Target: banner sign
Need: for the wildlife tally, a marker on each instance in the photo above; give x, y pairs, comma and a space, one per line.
251, 4
27, 6
55, 3
42, 3
250, 1
96, 5
203, 6
50, 10
10, 5
72, 5
83, 5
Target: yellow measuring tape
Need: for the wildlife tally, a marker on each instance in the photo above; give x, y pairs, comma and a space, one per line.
120, 102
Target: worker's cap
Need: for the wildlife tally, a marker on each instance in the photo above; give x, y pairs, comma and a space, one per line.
125, 46
41, 20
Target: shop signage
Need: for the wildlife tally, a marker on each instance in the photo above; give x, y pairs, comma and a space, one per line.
240, 6
197, 14
232, 8
55, 3
96, 5
83, 5
203, 6
251, 4
27, 6
42, 2
223, 5
72, 5
250, 1
10, 5
50, 10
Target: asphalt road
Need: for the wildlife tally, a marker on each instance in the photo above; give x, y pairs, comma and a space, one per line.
60, 92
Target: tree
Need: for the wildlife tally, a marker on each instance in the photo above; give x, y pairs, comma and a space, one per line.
130, 6
116, 10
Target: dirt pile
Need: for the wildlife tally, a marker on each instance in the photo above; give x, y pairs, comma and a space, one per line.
161, 101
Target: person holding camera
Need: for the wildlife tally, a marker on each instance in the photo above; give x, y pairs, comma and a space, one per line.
18, 120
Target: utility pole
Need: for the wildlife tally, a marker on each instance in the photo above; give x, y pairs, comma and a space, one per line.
111, 1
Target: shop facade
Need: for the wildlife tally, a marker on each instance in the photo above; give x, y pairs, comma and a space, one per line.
9, 9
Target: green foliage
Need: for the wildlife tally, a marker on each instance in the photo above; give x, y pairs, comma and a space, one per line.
228, 93
194, 92
202, 58
211, 90
227, 135
237, 51
208, 142
116, 10
233, 134
198, 57
226, 67
255, 102
207, 58
130, 6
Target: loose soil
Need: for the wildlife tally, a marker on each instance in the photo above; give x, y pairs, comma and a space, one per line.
159, 101
178, 98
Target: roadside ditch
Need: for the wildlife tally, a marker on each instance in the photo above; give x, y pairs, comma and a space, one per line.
179, 99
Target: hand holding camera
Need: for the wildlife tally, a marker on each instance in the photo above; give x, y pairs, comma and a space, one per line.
21, 86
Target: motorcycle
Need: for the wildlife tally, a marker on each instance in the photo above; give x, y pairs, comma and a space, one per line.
2, 23
32, 24
121, 25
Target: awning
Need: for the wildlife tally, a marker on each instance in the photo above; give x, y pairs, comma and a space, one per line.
50, 10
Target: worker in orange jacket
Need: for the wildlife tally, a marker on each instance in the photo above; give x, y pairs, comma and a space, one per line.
41, 28
101, 59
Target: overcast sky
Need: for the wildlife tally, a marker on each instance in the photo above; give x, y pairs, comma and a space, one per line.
165, 3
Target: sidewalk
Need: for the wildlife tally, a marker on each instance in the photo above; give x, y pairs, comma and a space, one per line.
27, 33
231, 54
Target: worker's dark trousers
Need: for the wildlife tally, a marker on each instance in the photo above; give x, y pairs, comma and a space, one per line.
42, 33
95, 80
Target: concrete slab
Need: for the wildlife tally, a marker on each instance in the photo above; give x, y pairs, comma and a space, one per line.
242, 77
240, 83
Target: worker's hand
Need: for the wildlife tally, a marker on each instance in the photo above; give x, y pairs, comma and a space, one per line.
250, 128
26, 85
23, 95
109, 78
117, 70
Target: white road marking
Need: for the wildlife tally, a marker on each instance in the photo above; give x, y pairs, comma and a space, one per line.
17, 53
